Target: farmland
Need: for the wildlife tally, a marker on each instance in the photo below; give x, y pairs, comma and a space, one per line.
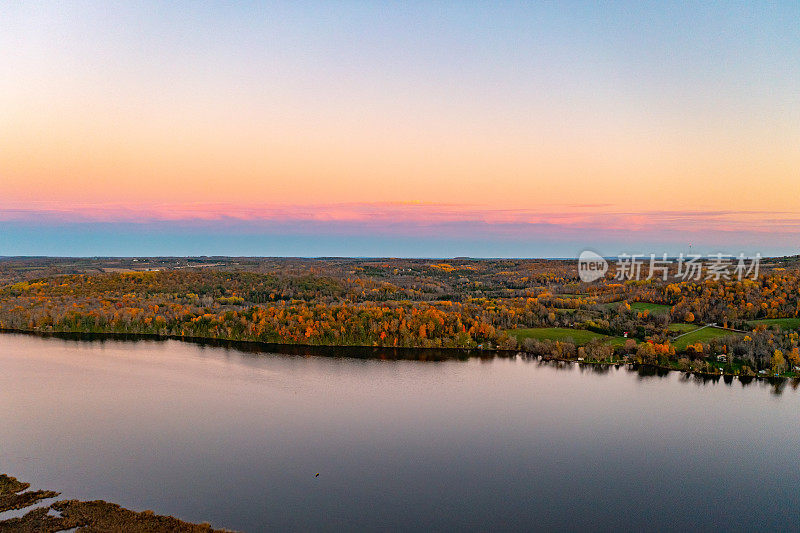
494, 304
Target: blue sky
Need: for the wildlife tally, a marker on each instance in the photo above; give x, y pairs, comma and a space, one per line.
406, 128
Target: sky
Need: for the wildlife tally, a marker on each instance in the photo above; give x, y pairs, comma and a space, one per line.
433, 129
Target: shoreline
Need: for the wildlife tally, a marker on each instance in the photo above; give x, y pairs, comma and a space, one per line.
95, 515
322, 350
362, 352
712, 375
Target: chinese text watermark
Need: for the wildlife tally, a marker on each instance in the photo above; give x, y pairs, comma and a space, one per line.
684, 267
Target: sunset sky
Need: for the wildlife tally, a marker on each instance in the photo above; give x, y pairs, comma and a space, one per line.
399, 129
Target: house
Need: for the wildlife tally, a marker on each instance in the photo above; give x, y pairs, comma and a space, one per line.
722, 358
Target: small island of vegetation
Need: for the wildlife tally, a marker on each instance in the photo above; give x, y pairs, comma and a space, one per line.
87, 517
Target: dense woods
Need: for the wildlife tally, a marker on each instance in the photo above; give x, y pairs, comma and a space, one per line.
460, 303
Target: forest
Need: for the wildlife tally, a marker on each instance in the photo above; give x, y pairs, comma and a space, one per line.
538, 307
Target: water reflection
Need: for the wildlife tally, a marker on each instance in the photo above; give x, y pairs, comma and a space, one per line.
234, 436
746, 380
646, 371
251, 347
596, 369
778, 385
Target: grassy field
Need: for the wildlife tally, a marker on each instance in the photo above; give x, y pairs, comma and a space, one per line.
702, 335
578, 336
781, 323
654, 309
680, 327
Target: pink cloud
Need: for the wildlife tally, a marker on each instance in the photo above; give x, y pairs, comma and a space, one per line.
414, 218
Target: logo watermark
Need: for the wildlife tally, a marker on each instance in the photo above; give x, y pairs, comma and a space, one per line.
591, 266
684, 267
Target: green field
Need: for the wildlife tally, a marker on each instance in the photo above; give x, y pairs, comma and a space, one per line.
680, 327
654, 309
578, 336
702, 335
781, 323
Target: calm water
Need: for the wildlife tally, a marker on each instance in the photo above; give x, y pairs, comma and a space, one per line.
213, 434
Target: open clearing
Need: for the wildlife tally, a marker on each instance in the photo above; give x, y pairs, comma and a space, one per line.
653, 309
578, 336
681, 327
781, 323
703, 335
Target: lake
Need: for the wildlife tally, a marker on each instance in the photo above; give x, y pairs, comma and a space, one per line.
236, 439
